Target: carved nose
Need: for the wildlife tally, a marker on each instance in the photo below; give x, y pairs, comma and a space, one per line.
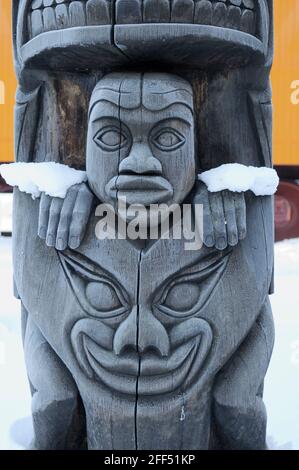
141, 162
141, 332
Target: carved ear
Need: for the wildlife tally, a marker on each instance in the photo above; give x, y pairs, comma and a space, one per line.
260, 107
26, 122
97, 291
185, 295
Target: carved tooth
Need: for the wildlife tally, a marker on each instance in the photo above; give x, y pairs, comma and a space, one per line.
248, 22
98, 12
203, 12
77, 14
182, 11
62, 16
36, 23
233, 17
128, 11
49, 19
219, 14
48, 3
249, 4
36, 4
156, 11
237, 3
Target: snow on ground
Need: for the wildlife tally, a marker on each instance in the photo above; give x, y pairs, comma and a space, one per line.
14, 390
282, 380
281, 386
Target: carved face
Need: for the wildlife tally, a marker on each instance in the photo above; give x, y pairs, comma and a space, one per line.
148, 332
140, 143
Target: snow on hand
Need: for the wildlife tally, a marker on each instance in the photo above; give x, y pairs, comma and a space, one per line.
54, 179
240, 178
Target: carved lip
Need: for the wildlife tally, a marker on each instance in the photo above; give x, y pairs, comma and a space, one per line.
139, 189
149, 373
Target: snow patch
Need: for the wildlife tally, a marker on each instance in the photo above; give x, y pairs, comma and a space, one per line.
54, 179
240, 178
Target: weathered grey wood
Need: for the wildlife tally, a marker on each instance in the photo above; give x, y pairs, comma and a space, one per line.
140, 344
156, 11
204, 33
98, 12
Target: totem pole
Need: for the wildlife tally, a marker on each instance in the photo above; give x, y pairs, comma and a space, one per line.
142, 344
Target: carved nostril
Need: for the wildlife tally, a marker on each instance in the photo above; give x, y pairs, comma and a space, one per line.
128, 349
152, 335
154, 350
140, 165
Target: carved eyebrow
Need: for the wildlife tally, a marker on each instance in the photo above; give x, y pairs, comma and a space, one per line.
152, 108
114, 91
165, 107
174, 118
115, 105
101, 118
144, 107
171, 91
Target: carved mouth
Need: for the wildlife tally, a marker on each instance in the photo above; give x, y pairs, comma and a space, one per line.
152, 374
51, 15
110, 33
143, 190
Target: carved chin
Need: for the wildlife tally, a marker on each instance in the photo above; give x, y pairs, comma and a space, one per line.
145, 374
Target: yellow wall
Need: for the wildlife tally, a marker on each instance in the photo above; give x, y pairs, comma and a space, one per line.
7, 83
285, 78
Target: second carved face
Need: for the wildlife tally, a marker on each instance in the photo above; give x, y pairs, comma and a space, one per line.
140, 144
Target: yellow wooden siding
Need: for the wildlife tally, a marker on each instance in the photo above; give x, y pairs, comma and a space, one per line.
285, 81
7, 83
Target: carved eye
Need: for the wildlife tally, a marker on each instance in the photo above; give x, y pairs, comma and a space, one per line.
102, 296
186, 294
110, 138
168, 139
98, 293
182, 297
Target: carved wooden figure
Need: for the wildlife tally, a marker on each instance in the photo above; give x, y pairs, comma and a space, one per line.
142, 344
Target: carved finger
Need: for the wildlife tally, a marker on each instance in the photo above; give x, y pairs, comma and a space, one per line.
202, 197
230, 217
80, 216
240, 210
43, 220
66, 217
218, 219
54, 217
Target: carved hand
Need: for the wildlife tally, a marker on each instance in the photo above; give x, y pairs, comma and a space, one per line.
62, 222
224, 216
